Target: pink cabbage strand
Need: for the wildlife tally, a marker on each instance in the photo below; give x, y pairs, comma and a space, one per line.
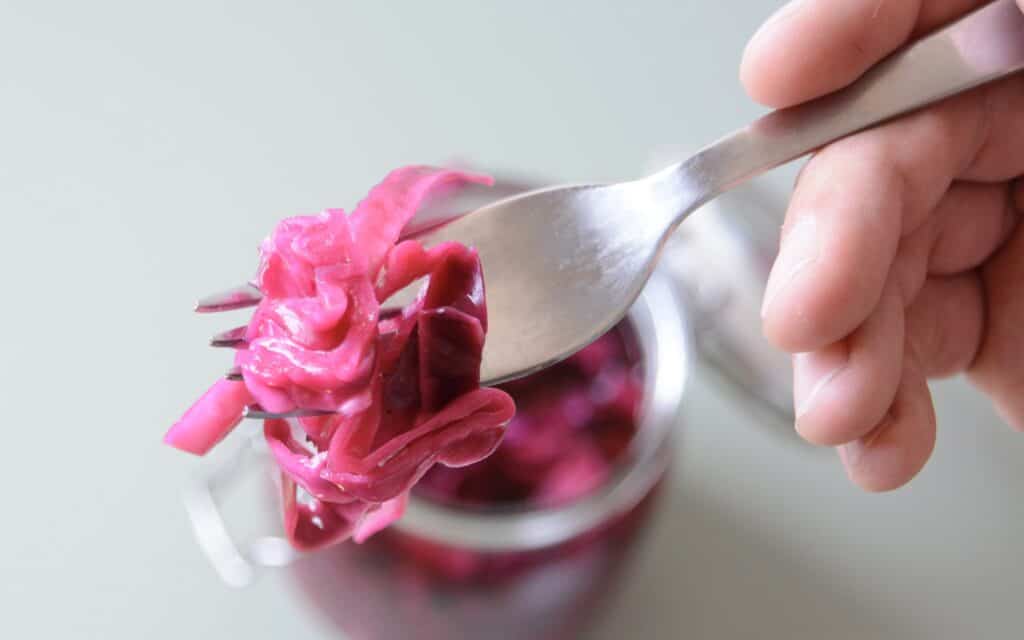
405, 385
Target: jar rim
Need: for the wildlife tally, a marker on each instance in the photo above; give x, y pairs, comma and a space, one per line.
664, 335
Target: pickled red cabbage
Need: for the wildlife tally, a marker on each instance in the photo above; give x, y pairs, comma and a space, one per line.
404, 385
573, 422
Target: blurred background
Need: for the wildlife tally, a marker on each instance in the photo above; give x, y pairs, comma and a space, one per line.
146, 148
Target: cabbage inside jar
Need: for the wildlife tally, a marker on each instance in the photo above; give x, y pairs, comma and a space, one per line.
573, 422
529, 541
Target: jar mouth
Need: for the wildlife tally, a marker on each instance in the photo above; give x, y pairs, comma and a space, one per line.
666, 346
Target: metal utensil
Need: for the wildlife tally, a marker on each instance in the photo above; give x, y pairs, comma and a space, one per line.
564, 264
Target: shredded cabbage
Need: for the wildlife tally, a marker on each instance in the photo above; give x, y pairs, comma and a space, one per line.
405, 385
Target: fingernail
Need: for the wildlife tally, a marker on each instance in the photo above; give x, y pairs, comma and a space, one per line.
843, 455
798, 251
785, 11
1011, 415
812, 375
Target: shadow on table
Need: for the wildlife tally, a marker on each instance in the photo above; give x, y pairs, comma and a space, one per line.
703, 573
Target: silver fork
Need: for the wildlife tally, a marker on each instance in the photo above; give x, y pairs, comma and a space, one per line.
564, 264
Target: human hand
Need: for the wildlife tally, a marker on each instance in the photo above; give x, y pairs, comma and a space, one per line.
902, 255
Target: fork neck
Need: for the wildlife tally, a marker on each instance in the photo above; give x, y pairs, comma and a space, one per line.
683, 188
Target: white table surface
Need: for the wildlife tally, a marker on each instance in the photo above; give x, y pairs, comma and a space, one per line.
144, 151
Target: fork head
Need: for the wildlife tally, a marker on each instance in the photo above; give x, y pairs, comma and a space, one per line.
561, 266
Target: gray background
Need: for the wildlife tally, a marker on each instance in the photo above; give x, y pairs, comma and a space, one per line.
145, 150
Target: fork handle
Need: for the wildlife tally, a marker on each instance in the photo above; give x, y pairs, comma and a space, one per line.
983, 46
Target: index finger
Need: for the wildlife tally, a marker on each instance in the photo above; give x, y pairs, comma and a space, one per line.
813, 47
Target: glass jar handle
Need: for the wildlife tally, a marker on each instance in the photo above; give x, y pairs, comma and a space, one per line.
237, 563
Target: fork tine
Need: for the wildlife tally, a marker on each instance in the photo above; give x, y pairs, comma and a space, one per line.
255, 412
234, 374
230, 339
237, 298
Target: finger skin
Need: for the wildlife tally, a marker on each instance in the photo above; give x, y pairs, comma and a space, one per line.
899, 446
843, 391
1001, 153
814, 47
958, 306
970, 223
936, 13
946, 323
865, 192
999, 368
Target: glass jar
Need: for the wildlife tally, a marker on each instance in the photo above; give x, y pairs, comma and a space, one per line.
459, 571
